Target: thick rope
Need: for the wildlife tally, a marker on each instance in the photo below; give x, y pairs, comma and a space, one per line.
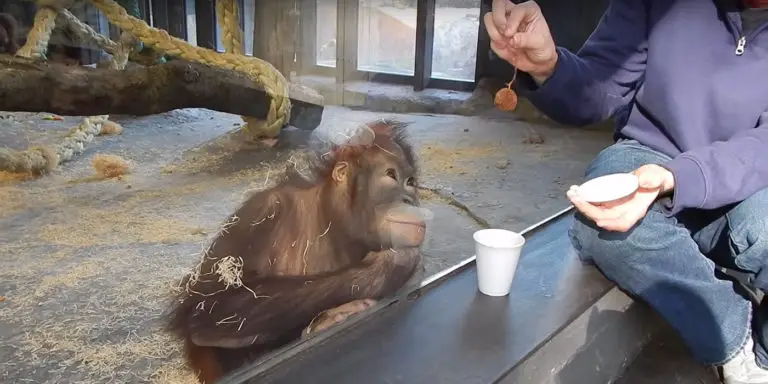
86, 32
39, 35
232, 39
259, 71
229, 23
39, 160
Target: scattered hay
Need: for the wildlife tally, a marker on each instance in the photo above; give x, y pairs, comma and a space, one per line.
104, 361
12, 200
99, 321
70, 278
97, 227
110, 166
440, 160
196, 164
272, 173
173, 373
159, 215
230, 271
11, 269
150, 216
109, 127
430, 195
15, 177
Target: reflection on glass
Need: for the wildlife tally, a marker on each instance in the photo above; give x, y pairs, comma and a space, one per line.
386, 37
247, 33
455, 48
325, 31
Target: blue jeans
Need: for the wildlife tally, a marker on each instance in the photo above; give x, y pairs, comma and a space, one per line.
670, 262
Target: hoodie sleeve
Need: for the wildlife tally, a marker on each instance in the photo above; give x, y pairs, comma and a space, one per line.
594, 84
722, 173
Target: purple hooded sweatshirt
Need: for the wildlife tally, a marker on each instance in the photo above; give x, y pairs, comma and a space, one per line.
688, 78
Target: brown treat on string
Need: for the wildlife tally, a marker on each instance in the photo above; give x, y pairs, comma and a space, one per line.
506, 98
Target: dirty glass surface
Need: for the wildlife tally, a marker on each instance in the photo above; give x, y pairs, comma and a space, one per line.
156, 119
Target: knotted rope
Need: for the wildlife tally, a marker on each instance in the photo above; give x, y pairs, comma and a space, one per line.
260, 71
40, 159
228, 19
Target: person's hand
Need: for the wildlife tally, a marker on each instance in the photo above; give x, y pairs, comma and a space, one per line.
622, 215
520, 35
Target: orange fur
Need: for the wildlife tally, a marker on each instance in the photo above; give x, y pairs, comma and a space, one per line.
204, 359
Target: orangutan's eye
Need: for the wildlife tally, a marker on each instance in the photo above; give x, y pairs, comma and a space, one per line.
392, 173
410, 182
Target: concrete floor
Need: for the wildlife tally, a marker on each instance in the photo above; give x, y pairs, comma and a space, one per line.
87, 266
667, 361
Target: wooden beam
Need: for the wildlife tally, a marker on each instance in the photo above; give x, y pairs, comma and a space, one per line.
31, 86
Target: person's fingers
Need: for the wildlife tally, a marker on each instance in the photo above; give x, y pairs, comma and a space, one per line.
634, 211
594, 213
648, 179
499, 13
502, 51
625, 221
519, 13
493, 30
497, 46
523, 40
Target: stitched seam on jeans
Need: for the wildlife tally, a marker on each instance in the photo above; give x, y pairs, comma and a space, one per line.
739, 246
748, 334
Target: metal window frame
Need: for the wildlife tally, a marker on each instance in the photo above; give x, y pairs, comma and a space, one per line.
346, 70
159, 14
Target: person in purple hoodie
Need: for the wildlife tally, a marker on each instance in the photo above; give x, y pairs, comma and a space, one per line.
687, 83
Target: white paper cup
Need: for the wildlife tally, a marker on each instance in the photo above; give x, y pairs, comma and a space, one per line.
497, 252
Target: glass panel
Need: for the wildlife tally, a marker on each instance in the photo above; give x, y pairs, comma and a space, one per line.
248, 11
386, 39
325, 31
455, 48
189, 5
208, 162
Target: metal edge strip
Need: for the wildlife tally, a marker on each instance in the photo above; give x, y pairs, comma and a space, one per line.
527, 232
256, 368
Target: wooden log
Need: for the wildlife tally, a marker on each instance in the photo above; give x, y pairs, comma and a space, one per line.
33, 86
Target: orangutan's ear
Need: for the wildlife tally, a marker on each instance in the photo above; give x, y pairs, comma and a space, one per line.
340, 172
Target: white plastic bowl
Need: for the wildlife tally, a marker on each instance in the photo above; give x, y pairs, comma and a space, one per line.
608, 188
